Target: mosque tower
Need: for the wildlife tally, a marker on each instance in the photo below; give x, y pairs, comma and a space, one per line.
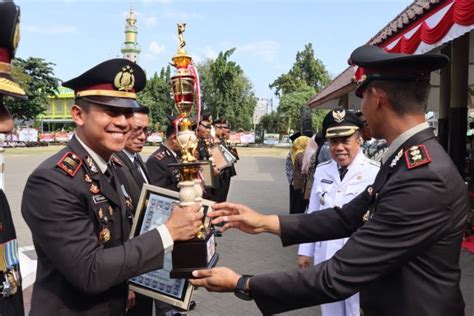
130, 48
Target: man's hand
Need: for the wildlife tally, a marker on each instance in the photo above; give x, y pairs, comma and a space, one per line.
239, 216
185, 222
219, 279
304, 262
130, 299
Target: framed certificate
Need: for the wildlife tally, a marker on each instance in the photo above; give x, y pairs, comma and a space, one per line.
154, 208
222, 157
208, 177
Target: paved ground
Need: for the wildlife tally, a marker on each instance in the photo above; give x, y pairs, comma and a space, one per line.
261, 184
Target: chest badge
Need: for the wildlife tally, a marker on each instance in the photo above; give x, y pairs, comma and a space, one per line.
104, 235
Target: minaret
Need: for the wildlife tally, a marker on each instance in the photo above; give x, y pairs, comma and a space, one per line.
130, 48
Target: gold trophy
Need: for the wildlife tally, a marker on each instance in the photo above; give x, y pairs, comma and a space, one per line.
198, 253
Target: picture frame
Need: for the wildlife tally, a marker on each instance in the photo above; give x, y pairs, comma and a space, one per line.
207, 173
222, 157
154, 207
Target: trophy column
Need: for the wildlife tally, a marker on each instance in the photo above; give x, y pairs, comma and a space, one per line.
200, 252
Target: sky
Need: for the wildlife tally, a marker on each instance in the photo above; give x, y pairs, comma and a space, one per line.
75, 35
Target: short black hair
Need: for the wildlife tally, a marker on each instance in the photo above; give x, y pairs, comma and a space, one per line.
170, 130
404, 96
142, 110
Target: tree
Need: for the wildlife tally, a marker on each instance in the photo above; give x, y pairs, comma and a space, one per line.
157, 96
36, 77
226, 91
306, 71
290, 104
273, 123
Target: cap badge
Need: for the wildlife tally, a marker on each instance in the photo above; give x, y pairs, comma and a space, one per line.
125, 79
339, 115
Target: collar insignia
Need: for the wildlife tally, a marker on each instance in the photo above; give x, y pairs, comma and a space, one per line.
125, 79
396, 159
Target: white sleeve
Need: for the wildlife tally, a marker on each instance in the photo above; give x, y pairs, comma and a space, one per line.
165, 238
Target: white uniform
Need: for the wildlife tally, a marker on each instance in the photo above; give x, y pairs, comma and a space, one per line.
329, 191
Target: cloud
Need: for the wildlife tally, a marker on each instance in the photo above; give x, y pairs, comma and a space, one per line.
155, 49
150, 21
58, 29
265, 49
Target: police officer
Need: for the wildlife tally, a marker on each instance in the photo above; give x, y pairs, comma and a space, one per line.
405, 230
79, 212
336, 183
203, 133
11, 294
221, 125
134, 166
169, 152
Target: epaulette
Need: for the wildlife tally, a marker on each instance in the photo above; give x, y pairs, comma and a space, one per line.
417, 156
160, 155
70, 162
116, 160
324, 163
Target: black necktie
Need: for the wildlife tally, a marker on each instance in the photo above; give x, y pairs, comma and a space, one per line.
342, 172
109, 173
139, 168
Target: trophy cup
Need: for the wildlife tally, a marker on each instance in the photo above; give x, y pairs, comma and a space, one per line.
199, 252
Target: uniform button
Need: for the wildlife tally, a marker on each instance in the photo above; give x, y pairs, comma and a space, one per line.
339, 191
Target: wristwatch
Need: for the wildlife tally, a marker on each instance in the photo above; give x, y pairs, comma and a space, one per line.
240, 290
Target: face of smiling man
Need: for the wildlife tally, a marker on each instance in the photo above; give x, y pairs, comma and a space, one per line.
104, 129
344, 149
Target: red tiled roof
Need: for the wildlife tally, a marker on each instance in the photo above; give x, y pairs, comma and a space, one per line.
343, 84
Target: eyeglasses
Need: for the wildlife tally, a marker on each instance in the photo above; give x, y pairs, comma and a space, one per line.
148, 131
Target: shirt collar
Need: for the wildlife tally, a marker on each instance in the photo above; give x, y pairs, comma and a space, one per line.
130, 155
403, 138
101, 163
172, 151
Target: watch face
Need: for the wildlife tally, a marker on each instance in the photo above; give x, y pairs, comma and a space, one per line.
242, 295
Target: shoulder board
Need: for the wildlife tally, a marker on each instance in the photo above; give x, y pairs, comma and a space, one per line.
324, 163
70, 163
160, 155
116, 161
417, 156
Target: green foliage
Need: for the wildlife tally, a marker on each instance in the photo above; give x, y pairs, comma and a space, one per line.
317, 118
291, 103
306, 71
295, 88
273, 123
226, 91
157, 97
36, 77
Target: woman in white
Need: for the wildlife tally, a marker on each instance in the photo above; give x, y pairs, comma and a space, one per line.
336, 182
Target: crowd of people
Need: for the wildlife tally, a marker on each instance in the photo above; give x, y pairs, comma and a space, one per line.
377, 206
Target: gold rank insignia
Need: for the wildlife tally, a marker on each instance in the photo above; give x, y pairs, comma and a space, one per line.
71, 163
125, 79
417, 156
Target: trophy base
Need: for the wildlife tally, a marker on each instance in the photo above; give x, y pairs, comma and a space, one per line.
193, 255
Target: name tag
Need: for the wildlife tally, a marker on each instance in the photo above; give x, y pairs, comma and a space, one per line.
327, 181
99, 198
